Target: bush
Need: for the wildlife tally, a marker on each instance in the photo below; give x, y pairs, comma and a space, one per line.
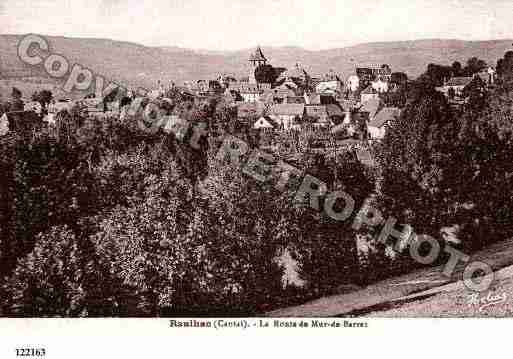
50, 280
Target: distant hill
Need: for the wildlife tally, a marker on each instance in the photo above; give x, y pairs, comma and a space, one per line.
137, 65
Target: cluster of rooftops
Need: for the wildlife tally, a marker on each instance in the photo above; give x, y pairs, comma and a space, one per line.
297, 99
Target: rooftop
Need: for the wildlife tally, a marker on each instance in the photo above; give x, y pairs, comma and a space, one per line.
258, 55
263, 119
459, 81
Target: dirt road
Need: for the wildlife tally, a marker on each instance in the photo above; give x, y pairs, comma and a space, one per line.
427, 287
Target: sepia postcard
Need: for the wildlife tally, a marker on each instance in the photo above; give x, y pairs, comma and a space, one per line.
233, 171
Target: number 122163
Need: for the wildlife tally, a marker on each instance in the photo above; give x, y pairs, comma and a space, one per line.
30, 352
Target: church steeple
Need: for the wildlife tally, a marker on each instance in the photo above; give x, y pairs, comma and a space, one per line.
258, 58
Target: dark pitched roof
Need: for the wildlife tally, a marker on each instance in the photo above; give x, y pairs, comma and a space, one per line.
459, 81
384, 116
269, 120
258, 55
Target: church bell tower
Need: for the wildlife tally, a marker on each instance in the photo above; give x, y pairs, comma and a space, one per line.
256, 60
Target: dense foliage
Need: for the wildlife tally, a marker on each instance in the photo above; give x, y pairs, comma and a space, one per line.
443, 165
131, 223
99, 218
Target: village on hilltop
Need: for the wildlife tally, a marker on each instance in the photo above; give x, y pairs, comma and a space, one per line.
339, 112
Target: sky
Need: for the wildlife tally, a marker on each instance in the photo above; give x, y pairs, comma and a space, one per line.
239, 24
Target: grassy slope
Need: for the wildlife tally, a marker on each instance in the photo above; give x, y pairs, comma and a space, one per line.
453, 300
385, 295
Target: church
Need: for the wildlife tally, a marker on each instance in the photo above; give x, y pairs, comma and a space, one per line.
248, 87
255, 60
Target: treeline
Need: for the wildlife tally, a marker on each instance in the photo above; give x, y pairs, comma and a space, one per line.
435, 75
101, 219
444, 167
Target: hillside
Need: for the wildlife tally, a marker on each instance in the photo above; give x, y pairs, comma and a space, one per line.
410, 294
137, 65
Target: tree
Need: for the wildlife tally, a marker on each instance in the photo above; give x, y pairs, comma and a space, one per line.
397, 97
483, 163
399, 78
17, 103
44, 97
505, 67
249, 230
457, 68
60, 277
16, 93
52, 188
279, 70
412, 156
385, 67
440, 166
45, 283
151, 253
325, 248
265, 74
3, 106
192, 255
110, 97
475, 93
436, 74
474, 65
